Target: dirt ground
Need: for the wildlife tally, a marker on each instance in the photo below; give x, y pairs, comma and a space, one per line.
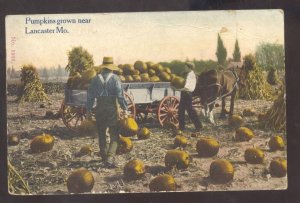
47, 172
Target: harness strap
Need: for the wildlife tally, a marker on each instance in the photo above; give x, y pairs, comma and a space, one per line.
104, 82
217, 84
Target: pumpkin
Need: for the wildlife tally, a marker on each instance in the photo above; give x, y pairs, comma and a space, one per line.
88, 127
254, 156
278, 167
178, 82
249, 112
177, 158
151, 72
143, 133
167, 70
13, 140
276, 143
129, 78
84, 150
221, 171
124, 145
163, 182
207, 147
180, 141
134, 169
136, 72
128, 69
128, 127
164, 76
42, 143
80, 181
243, 134
145, 78
122, 78
158, 68
141, 66
118, 72
235, 121
149, 64
136, 78
154, 78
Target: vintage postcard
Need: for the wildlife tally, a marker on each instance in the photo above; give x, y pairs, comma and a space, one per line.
146, 102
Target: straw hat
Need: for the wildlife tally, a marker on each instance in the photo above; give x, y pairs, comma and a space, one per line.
108, 63
190, 65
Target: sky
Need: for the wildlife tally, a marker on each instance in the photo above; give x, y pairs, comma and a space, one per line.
146, 36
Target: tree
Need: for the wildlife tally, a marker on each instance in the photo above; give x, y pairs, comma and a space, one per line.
79, 59
270, 55
221, 52
237, 53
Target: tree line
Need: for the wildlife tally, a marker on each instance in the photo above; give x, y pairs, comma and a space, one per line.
44, 72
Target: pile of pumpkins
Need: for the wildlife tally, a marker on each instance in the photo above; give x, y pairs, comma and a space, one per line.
128, 73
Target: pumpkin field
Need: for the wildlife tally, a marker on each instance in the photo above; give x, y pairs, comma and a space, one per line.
49, 171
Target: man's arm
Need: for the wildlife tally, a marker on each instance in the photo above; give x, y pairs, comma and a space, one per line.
120, 94
91, 95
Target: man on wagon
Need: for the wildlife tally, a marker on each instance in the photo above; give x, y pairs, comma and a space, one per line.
185, 103
106, 88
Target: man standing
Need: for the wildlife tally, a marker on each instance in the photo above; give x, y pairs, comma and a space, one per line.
186, 98
106, 88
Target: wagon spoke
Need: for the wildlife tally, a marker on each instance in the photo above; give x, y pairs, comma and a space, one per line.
164, 110
77, 121
163, 114
163, 119
173, 101
165, 106
176, 105
71, 118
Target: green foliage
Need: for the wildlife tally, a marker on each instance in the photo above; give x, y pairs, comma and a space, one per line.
79, 60
237, 53
270, 55
221, 52
249, 62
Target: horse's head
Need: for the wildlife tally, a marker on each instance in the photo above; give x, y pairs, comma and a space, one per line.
241, 74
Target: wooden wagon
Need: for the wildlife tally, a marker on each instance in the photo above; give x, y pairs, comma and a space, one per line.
142, 98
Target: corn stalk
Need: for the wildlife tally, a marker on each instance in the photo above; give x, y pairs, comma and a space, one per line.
16, 184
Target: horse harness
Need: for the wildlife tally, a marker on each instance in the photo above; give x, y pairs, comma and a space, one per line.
218, 84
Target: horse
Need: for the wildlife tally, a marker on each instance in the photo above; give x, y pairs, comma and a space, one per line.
215, 84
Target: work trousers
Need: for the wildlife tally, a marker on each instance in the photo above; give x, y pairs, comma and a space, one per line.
185, 104
107, 118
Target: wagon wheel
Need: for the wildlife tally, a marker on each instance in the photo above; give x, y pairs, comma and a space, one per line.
130, 104
168, 110
72, 116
